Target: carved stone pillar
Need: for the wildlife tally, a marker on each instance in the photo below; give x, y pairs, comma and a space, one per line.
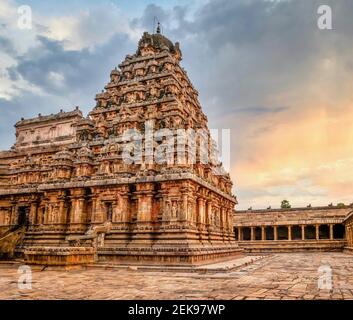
331, 231
124, 207
290, 233
77, 207
229, 219
317, 235
208, 216
303, 232
144, 195
144, 207
201, 213
252, 233
185, 209
263, 233
240, 233
33, 213
97, 213
275, 235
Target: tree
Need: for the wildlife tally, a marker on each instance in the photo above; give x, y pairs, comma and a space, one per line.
285, 204
341, 205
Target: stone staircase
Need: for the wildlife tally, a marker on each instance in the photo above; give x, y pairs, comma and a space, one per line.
78, 250
9, 241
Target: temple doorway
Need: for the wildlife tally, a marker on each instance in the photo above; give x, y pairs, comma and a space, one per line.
23, 216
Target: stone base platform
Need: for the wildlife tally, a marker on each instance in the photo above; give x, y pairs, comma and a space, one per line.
59, 256
222, 266
162, 256
271, 246
169, 256
348, 250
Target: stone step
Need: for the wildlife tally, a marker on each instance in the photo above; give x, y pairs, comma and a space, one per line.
223, 266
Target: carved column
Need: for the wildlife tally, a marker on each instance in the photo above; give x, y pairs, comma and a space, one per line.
144, 207
317, 235
208, 214
263, 233
33, 213
275, 236
230, 220
303, 232
290, 233
240, 233
201, 213
77, 207
125, 208
97, 214
144, 197
331, 231
252, 233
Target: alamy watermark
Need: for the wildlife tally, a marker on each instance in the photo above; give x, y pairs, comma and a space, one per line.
175, 147
24, 20
324, 22
25, 277
324, 281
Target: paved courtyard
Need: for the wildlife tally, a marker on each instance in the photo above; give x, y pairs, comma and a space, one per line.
277, 276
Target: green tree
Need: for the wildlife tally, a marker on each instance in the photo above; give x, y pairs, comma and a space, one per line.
285, 204
341, 205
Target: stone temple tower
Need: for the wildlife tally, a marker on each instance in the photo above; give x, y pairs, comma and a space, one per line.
127, 184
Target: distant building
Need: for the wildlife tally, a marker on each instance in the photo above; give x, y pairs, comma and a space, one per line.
295, 229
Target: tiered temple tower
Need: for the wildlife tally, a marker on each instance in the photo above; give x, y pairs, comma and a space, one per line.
74, 183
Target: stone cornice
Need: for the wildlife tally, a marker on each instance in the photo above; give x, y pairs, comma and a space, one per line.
291, 210
55, 117
120, 181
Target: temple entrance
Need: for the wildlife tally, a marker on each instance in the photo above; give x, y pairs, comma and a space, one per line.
246, 233
282, 233
109, 211
296, 233
338, 231
324, 231
23, 219
258, 233
310, 232
269, 233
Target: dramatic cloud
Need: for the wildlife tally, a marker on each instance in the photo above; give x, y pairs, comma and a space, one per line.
262, 68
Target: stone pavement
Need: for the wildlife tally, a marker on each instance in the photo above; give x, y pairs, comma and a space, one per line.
277, 276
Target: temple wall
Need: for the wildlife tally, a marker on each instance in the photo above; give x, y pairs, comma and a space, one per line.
168, 209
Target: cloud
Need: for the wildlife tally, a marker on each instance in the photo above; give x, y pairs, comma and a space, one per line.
262, 68
91, 27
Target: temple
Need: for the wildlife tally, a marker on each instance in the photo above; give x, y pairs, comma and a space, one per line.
68, 195
137, 181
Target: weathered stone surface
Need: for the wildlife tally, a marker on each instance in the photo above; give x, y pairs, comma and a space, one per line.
279, 276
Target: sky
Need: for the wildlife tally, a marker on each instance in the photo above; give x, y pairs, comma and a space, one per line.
262, 68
